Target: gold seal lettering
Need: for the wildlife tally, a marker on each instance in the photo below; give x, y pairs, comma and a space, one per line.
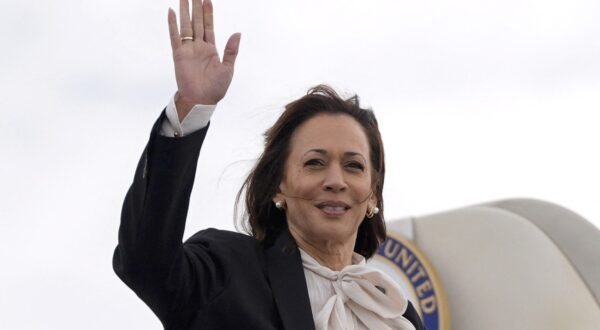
428, 305
422, 288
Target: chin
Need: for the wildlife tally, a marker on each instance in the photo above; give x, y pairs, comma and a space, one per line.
336, 229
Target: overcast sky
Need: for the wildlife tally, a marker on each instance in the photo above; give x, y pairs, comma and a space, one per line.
477, 101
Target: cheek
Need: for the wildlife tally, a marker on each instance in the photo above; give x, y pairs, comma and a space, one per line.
298, 196
301, 187
361, 190
299, 214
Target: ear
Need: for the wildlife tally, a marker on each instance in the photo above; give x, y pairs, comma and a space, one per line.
372, 201
279, 197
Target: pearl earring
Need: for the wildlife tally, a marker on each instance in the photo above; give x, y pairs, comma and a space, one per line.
279, 205
372, 212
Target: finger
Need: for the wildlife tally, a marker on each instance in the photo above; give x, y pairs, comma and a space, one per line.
173, 31
209, 29
231, 49
184, 19
197, 19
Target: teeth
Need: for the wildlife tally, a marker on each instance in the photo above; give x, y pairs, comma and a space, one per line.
334, 209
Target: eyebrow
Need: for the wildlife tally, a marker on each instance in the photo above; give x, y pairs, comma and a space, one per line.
347, 153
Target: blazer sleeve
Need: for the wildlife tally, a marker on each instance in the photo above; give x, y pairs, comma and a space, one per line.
172, 279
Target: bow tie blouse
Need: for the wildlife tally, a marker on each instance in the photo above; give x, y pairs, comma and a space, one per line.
355, 298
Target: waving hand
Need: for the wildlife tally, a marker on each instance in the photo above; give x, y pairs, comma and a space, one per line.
202, 78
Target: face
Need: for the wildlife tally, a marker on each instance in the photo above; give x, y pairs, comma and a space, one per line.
326, 187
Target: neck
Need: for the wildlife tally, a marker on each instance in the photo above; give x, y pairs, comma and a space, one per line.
329, 253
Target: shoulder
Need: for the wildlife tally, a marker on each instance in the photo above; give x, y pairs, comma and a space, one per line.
218, 235
231, 253
224, 242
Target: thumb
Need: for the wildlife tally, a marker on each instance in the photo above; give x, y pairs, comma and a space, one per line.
231, 49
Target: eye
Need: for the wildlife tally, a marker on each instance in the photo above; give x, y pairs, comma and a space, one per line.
315, 162
356, 166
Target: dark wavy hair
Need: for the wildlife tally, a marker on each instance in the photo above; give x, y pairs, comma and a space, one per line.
261, 219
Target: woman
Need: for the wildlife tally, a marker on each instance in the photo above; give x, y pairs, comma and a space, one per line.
314, 211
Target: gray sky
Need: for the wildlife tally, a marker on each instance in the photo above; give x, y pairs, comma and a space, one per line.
477, 101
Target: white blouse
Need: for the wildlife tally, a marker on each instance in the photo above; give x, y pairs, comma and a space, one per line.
357, 297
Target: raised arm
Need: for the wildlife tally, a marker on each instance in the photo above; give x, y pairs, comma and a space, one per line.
202, 77
172, 278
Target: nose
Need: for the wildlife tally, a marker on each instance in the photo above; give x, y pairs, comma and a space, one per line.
334, 180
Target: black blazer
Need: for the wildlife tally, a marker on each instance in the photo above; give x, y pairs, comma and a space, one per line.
216, 279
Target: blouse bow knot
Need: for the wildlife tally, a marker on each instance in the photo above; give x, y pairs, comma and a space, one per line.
357, 296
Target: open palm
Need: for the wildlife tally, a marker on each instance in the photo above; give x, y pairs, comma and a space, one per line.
202, 78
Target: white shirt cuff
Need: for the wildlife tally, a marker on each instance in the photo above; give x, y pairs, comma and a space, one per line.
195, 120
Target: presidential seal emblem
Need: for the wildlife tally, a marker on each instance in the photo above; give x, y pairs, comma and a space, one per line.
405, 263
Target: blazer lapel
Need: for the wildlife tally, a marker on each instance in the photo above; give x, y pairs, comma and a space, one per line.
286, 275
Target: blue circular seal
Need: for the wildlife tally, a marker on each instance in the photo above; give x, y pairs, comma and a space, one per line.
405, 263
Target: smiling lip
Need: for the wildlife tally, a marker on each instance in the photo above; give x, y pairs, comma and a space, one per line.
333, 208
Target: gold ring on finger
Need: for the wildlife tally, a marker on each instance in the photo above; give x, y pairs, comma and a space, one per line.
187, 38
